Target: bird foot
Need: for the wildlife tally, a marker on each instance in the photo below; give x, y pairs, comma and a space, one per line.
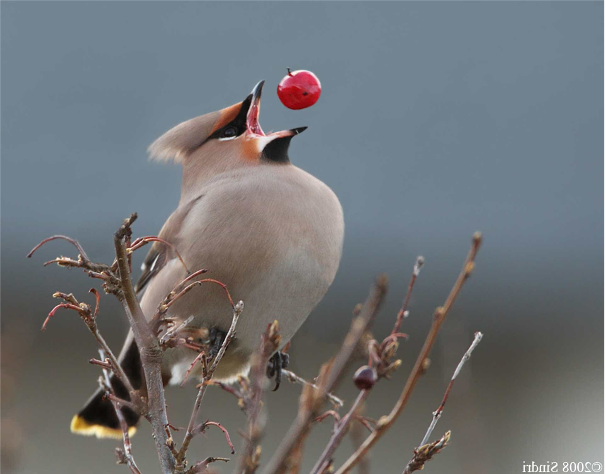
216, 337
276, 363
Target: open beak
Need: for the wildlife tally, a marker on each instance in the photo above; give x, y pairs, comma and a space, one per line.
253, 126
252, 118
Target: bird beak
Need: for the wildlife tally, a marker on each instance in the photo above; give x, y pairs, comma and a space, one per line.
252, 117
288, 133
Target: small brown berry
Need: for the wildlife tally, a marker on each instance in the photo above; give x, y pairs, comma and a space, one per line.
365, 377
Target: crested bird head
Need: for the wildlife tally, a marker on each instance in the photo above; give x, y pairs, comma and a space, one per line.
226, 139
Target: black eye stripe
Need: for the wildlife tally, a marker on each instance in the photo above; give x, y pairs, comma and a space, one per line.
239, 123
230, 130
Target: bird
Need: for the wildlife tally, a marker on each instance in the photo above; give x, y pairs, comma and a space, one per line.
268, 230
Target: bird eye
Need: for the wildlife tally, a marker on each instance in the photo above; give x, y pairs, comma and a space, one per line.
229, 132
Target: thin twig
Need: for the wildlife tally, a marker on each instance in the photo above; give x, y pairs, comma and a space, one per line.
357, 438
366, 422
440, 314
54, 310
270, 342
127, 403
190, 433
100, 363
175, 329
157, 319
89, 318
191, 286
202, 466
191, 367
202, 428
141, 241
404, 310
420, 454
335, 440
424, 453
336, 418
438, 413
292, 377
227, 387
82, 262
116, 367
74, 242
128, 455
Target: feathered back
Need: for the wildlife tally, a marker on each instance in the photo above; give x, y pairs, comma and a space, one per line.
180, 141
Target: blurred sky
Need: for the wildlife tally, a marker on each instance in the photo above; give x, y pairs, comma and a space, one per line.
436, 120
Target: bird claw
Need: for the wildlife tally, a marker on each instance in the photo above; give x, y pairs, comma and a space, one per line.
216, 337
276, 363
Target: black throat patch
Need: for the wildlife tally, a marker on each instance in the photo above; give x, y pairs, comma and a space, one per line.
276, 151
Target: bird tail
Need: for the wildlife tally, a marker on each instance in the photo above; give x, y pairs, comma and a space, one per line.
98, 417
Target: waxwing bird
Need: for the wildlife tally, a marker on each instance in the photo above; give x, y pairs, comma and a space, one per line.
270, 231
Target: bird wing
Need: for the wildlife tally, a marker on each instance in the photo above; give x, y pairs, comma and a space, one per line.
154, 261
160, 254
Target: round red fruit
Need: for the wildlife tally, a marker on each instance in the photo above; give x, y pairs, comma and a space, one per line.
299, 89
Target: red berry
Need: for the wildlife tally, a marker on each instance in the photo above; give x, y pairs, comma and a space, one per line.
365, 377
299, 89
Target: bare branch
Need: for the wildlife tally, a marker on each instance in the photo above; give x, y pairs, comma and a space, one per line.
440, 314
164, 304
141, 241
202, 428
98, 269
54, 310
380, 365
357, 438
331, 375
191, 286
403, 313
426, 452
175, 329
194, 362
366, 422
149, 349
127, 453
89, 318
438, 413
239, 394
326, 457
270, 342
336, 417
74, 242
202, 466
100, 363
190, 433
162, 332
292, 377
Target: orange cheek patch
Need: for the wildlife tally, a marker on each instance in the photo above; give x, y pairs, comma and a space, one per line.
250, 150
226, 115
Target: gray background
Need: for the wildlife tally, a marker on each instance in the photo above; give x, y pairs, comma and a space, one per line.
436, 120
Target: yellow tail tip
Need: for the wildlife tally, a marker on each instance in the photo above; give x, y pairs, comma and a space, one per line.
82, 427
